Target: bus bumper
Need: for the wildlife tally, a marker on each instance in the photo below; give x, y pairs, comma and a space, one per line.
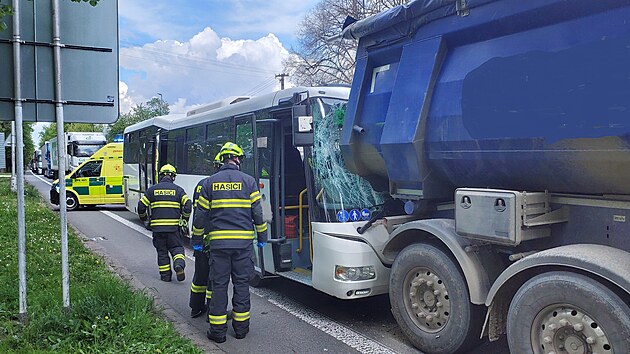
331, 252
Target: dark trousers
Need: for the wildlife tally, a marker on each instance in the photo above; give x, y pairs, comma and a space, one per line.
200, 292
165, 242
237, 264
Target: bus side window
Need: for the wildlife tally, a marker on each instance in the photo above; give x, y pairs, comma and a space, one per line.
245, 139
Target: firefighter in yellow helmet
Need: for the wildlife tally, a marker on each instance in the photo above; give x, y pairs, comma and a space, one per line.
169, 206
200, 292
228, 211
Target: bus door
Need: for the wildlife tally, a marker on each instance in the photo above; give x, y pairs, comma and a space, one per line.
246, 139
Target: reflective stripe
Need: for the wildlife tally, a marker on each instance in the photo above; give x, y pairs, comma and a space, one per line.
144, 200
179, 256
240, 316
165, 205
185, 199
197, 232
198, 288
203, 202
217, 320
164, 268
231, 234
165, 222
261, 228
208, 294
254, 196
186, 215
231, 203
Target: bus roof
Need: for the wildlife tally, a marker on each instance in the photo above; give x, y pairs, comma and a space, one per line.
255, 103
160, 122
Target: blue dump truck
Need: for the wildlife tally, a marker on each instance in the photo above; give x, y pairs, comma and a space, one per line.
502, 130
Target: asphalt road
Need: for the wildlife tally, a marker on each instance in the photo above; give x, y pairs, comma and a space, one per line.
287, 317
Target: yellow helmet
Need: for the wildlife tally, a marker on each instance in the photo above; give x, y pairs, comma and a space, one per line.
217, 160
168, 168
230, 149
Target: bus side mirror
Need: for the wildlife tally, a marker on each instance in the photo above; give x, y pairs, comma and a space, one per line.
302, 126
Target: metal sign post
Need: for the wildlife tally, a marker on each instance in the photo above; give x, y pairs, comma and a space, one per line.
18, 164
61, 157
36, 89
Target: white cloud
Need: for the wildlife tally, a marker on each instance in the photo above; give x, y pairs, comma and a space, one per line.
203, 69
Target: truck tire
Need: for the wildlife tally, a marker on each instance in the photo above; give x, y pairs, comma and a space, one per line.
72, 203
560, 311
430, 301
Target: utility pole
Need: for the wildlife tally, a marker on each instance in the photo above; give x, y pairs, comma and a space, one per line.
281, 77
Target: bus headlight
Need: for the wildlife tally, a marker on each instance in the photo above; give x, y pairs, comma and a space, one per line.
354, 273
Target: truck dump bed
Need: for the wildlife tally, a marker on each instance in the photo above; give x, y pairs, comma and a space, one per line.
523, 95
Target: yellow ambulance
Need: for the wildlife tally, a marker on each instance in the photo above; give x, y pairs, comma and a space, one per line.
96, 181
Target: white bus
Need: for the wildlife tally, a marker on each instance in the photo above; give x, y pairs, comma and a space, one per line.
304, 189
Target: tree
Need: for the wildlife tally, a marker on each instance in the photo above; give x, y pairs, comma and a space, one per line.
27, 127
140, 112
317, 60
51, 131
6, 10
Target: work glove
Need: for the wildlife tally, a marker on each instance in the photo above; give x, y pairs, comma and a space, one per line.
197, 244
261, 244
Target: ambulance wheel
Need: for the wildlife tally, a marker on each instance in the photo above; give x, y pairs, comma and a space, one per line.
72, 203
430, 301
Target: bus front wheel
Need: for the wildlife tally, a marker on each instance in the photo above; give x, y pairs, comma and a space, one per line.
430, 301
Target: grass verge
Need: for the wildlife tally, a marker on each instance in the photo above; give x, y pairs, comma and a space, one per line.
107, 315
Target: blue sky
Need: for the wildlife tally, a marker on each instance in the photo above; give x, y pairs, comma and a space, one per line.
196, 52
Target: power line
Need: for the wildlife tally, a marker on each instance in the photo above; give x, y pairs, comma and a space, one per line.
202, 60
164, 61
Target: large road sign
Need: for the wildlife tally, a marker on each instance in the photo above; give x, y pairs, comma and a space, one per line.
89, 62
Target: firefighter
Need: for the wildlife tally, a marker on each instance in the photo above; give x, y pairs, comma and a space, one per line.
228, 211
169, 206
198, 302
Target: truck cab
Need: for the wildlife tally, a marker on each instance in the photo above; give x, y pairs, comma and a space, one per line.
98, 180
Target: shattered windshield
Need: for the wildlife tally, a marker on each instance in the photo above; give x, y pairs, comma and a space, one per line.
337, 189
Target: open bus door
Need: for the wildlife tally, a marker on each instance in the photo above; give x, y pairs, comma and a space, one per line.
266, 154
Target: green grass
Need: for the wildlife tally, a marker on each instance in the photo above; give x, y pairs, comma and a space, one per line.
107, 316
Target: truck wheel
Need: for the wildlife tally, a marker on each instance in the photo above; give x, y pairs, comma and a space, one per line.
430, 301
564, 312
72, 203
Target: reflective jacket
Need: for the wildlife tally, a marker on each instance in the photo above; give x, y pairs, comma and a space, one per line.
168, 203
228, 210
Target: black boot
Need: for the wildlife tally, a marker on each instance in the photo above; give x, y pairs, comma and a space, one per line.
179, 270
194, 313
165, 277
215, 338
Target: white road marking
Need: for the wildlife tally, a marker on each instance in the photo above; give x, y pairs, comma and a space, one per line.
136, 227
41, 179
336, 330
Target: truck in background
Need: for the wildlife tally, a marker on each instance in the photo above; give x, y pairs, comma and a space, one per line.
36, 162
79, 147
98, 180
502, 130
45, 153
